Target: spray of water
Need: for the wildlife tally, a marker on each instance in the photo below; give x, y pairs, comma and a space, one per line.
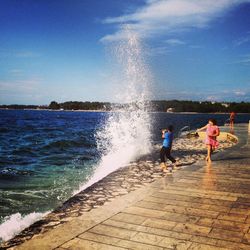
125, 135
16, 223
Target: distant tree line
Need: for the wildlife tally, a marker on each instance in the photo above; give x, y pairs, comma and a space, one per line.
80, 106
201, 107
160, 106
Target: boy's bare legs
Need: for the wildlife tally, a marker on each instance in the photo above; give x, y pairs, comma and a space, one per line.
166, 168
163, 166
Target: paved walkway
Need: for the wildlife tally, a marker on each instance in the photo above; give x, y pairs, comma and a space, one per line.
199, 207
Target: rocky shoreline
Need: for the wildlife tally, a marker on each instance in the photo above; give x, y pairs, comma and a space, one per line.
133, 176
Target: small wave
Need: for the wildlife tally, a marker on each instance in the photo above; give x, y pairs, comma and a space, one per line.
25, 194
3, 130
67, 144
10, 172
24, 151
15, 223
49, 129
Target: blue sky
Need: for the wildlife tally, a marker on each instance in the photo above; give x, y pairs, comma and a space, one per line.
57, 49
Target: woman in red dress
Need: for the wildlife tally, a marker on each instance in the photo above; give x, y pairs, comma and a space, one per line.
212, 131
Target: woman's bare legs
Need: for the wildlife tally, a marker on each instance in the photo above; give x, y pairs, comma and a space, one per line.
209, 152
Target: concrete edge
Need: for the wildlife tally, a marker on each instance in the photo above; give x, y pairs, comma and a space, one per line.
56, 237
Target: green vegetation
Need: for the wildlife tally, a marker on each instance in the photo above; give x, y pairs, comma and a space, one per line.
201, 107
80, 105
161, 106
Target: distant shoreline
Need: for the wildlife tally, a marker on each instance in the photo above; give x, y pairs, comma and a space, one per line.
106, 111
58, 110
168, 106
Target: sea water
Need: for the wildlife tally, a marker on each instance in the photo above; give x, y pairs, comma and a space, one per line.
46, 156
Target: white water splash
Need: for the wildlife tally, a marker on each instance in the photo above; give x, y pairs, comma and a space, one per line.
126, 134
15, 223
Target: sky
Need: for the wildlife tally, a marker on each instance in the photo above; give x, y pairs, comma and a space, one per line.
58, 50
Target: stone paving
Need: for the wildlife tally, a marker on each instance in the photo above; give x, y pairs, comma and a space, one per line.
199, 207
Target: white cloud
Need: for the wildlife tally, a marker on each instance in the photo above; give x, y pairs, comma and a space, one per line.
19, 86
175, 42
161, 16
15, 72
212, 98
233, 95
161, 50
18, 53
196, 46
26, 54
242, 40
24, 91
245, 60
240, 94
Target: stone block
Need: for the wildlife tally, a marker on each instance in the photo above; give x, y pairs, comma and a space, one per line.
148, 238
160, 223
232, 217
112, 231
99, 238
80, 244
246, 239
124, 225
226, 235
138, 246
198, 246
144, 212
208, 222
181, 217
192, 229
231, 225
130, 218
172, 243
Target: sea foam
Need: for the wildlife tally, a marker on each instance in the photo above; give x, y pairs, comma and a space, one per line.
126, 133
15, 223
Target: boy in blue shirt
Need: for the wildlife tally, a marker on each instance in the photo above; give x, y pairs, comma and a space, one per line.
167, 136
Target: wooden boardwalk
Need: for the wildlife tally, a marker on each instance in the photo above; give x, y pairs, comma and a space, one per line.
199, 207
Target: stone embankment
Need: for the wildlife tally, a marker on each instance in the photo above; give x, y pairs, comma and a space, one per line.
121, 182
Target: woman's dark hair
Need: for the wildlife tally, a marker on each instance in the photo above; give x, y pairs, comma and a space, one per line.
171, 128
213, 121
